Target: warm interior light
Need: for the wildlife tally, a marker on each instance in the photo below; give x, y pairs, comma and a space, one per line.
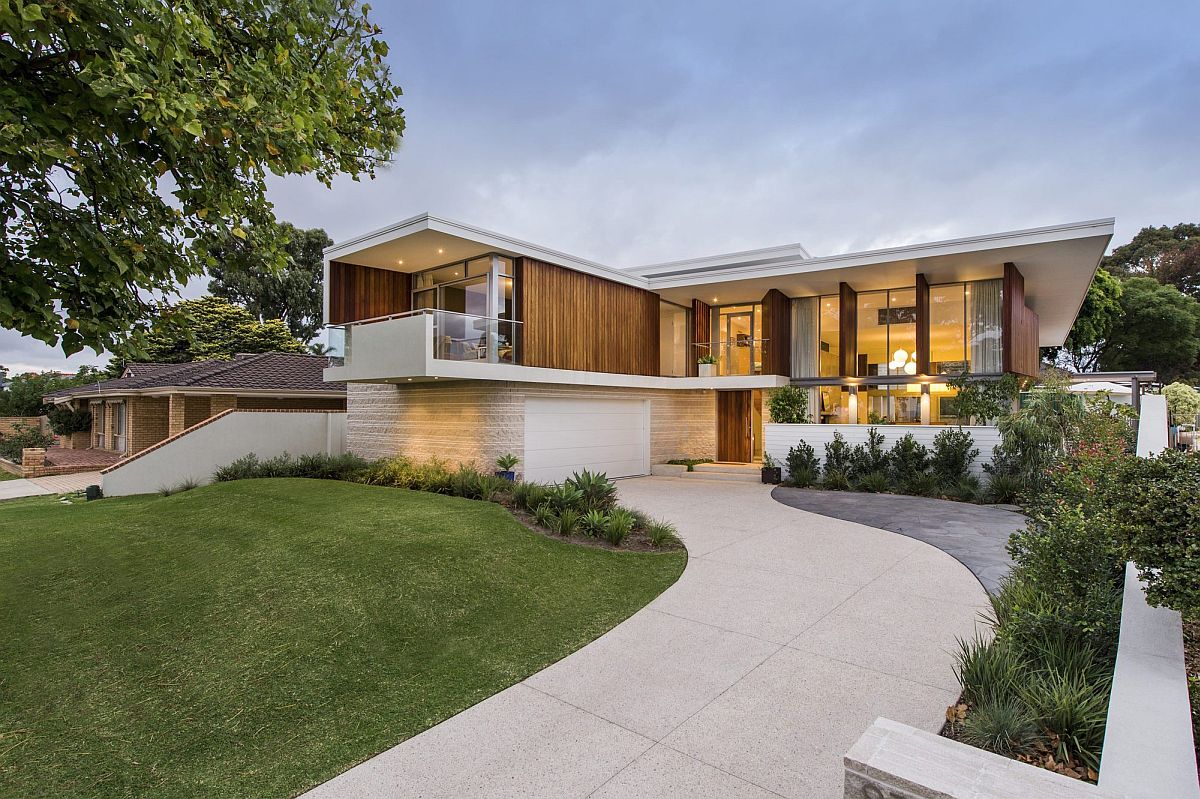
440, 251
899, 356
910, 368
400, 261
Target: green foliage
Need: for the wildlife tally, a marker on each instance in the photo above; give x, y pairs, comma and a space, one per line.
802, 465
870, 456
953, 454
662, 534
544, 516
245, 274
1157, 519
23, 394
317, 465
65, 420
1093, 325
873, 483
1167, 254
1074, 708
506, 462
835, 481
593, 523
529, 496
967, 489
1183, 402
1037, 436
922, 484
131, 132
23, 436
568, 522
619, 526
561, 497
596, 491
707, 359
988, 670
789, 405
1005, 727
979, 401
908, 460
178, 488
1159, 329
839, 456
690, 463
211, 328
1004, 488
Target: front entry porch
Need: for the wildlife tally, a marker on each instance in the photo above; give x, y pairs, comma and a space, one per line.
739, 426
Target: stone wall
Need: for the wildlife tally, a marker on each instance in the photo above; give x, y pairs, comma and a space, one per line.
461, 421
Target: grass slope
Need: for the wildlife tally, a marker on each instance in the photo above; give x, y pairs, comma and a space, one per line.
256, 638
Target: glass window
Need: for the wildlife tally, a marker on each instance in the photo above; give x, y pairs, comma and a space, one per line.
984, 311
672, 339
805, 345
834, 405
873, 352
902, 332
947, 329
942, 408
737, 340
831, 337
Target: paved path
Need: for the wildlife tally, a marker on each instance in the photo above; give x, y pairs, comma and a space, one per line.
55, 484
975, 535
786, 636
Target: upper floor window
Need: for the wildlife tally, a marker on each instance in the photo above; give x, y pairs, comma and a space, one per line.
965, 327
887, 332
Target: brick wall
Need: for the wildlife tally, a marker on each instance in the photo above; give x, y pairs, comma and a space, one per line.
478, 421
147, 422
8, 424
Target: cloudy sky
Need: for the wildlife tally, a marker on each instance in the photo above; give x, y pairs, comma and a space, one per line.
635, 132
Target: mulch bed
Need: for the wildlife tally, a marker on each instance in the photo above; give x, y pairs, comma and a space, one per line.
635, 542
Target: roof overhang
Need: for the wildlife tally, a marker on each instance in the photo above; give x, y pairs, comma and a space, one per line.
426, 241
164, 391
1057, 262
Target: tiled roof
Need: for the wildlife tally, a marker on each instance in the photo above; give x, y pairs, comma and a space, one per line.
269, 371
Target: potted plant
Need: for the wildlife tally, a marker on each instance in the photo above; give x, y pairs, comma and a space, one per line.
706, 365
506, 464
772, 473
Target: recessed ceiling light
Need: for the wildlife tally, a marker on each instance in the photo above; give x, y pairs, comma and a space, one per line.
440, 251
400, 261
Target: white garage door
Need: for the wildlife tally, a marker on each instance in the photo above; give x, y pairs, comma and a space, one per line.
565, 435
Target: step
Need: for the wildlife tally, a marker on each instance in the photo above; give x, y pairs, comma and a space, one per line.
731, 477
729, 468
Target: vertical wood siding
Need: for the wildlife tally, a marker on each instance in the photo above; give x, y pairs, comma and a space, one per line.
922, 325
701, 333
777, 330
1019, 327
733, 426
362, 292
848, 328
573, 320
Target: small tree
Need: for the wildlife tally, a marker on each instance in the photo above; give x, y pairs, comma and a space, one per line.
1183, 402
980, 401
65, 420
789, 405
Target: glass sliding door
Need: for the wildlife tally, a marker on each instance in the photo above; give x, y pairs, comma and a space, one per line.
736, 342
473, 309
672, 339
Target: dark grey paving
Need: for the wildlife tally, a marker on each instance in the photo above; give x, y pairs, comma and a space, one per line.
975, 535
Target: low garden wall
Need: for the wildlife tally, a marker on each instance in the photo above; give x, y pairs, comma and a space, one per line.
779, 438
9, 424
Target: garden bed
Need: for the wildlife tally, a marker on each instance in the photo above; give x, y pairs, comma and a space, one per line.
1191, 656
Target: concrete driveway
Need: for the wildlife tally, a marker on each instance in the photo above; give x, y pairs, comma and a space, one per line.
786, 636
37, 486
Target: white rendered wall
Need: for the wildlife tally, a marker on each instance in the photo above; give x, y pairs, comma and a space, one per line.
199, 451
1152, 425
779, 438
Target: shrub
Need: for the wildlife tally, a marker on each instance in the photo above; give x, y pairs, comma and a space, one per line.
596, 491
835, 481
1074, 709
529, 496
661, 534
839, 456
568, 521
397, 472
593, 523
922, 485
317, 466
967, 489
65, 420
1004, 489
506, 462
1027, 615
619, 526
179, 488
871, 456
1157, 518
433, 475
544, 516
802, 465
908, 459
490, 488
789, 405
988, 671
690, 463
873, 482
1004, 727
1183, 402
23, 436
561, 497
953, 454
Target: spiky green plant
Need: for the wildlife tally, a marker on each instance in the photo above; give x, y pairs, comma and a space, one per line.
661, 533
544, 516
564, 496
1073, 707
873, 482
1004, 727
593, 523
620, 525
597, 492
988, 671
568, 522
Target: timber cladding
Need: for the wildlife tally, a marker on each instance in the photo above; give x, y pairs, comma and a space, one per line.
777, 330
573, 320
363, 292
1019, 327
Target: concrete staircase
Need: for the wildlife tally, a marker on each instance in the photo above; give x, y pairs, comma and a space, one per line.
731, 472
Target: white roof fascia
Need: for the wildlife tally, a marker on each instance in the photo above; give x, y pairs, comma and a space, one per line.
743, 258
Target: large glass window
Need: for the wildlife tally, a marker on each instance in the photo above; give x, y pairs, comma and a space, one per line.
831, 337
984, 312
947, 329
737, 342
672, 339
887, 332
473, 301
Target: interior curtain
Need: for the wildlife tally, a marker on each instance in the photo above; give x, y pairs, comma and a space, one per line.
984, 317
805, 337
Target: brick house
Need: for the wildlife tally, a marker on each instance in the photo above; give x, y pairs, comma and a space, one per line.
150, 402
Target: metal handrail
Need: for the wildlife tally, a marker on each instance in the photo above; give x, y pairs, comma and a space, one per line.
731, 341
415, 312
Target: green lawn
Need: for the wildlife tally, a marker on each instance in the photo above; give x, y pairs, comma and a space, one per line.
8, 476
256, 638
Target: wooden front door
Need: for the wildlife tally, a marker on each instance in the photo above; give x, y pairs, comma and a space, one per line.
734, 440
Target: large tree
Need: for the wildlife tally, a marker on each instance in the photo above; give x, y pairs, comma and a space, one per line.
1159, 329
243, 273
217, 329
1168, 254
130, 130
1101, 310
23, 394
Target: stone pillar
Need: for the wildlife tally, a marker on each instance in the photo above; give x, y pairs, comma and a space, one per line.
176, 414
33, 458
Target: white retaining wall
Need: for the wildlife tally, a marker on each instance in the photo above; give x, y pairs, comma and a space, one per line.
1152, 425
779, 438
194, 454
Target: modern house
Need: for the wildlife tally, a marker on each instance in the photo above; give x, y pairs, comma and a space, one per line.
151, 402
465, 344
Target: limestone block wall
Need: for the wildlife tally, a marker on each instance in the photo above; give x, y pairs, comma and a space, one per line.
462, 421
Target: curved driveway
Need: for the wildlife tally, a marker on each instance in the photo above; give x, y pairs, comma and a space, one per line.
786, 636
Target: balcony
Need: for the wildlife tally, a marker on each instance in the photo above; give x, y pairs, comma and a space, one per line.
740, 356
406, 345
